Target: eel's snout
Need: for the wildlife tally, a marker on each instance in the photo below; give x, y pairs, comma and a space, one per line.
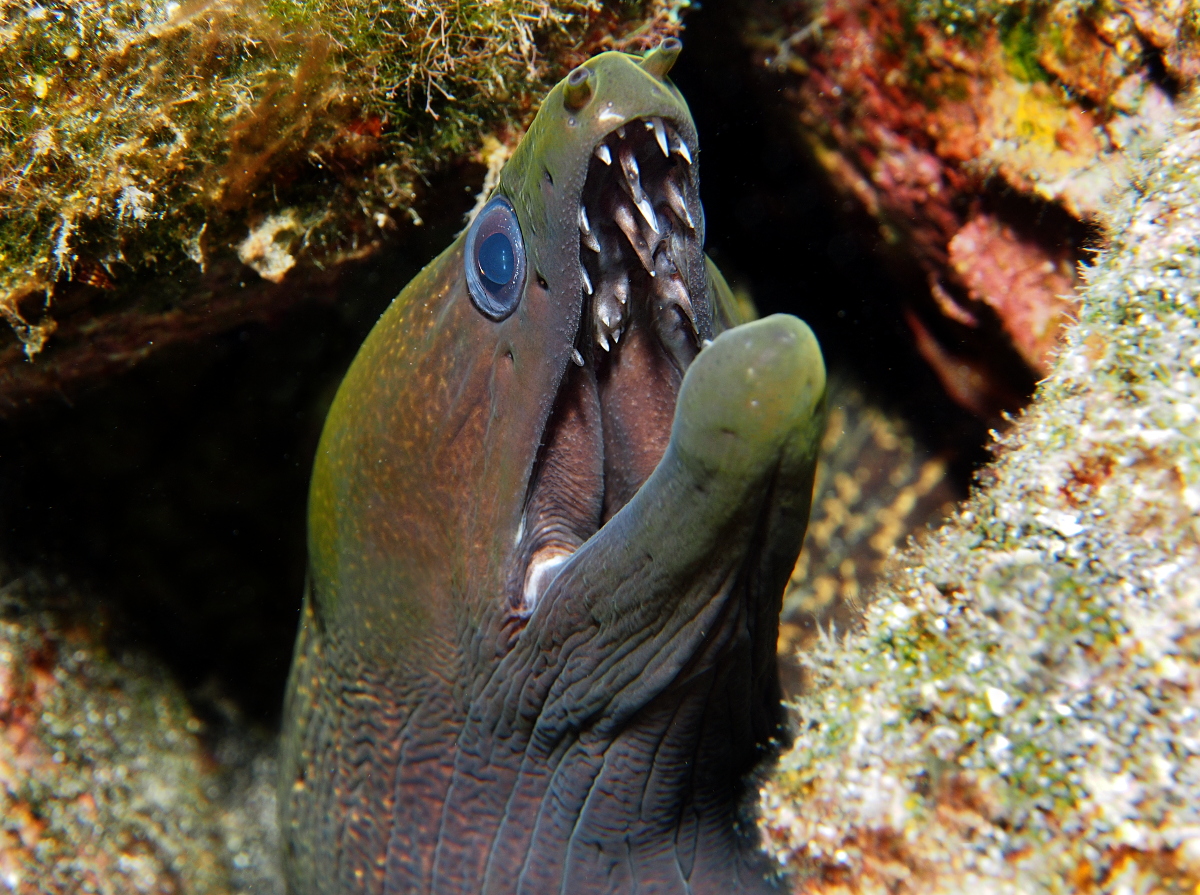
754, 398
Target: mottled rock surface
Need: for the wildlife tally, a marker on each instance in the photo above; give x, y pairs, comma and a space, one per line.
108, 783
1021, 712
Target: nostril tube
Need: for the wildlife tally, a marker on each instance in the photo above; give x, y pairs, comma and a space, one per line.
577, 92
659, 60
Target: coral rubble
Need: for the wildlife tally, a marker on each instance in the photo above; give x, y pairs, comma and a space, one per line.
105, 784
982, 138
149, 150
1021, 711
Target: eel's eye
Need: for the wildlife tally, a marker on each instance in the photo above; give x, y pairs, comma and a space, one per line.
495, 260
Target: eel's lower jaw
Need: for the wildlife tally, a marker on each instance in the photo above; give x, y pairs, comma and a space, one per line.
612, 417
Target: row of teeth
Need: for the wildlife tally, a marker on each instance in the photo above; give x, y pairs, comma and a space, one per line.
646, 228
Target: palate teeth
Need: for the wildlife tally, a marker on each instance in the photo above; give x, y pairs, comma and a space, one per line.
660, 134
678, 204
633, 179
624, 218
602, 340
647, 211
609, 305
604, 153
672, 290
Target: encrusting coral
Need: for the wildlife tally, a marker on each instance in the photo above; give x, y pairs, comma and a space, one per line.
149, 149
983, 139
1019, 712
105, 783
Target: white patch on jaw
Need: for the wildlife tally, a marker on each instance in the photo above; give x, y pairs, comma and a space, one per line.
607, 115
541, 571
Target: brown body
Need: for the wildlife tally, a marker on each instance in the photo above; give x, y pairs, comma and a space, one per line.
537, 653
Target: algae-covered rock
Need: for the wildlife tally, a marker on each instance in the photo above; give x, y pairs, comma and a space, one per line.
171, 169
105, 783
1021, 712
982, 138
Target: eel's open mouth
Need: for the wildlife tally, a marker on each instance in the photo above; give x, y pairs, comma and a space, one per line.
639, 224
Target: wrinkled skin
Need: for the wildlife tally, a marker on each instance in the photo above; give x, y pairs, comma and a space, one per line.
451, 728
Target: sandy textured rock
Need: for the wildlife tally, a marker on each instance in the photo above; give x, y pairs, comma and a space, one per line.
1021, 712
106, 784
982, 138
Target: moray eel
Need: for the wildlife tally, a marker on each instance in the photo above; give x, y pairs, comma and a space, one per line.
555, 504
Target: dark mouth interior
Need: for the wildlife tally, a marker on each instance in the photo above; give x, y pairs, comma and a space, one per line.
612, 418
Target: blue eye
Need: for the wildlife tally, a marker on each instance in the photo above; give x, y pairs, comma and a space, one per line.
495, 260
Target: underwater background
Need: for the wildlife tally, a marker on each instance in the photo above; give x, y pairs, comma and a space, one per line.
205, 206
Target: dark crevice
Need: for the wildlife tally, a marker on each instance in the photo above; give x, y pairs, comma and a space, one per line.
1156, 68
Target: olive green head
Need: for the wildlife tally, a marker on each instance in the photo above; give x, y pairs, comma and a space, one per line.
428, 457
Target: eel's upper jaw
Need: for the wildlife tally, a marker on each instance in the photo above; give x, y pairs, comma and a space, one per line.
639, 219
645, 318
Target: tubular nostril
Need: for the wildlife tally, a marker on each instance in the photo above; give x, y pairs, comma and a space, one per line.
659, 60
577, 92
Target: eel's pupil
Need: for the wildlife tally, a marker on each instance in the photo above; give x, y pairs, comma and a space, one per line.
496, 259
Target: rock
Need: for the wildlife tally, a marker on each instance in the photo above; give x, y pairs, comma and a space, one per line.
172, 170
106, 784
1019, 712
982, 138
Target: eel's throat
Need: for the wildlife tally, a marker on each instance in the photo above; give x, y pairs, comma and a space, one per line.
638, 225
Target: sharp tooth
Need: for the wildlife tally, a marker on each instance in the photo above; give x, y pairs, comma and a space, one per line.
585, 230
587, 281
633, 178
602, 341
674, 288
577, 357
608, 307
604, 153
617, 335
678, 204
629, 166
624, 218
705, 343
660, 134
647, 210
621, 132
680, 147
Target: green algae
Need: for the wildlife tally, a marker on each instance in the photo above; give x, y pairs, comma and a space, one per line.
145, 137
1019, 711
1020, 37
